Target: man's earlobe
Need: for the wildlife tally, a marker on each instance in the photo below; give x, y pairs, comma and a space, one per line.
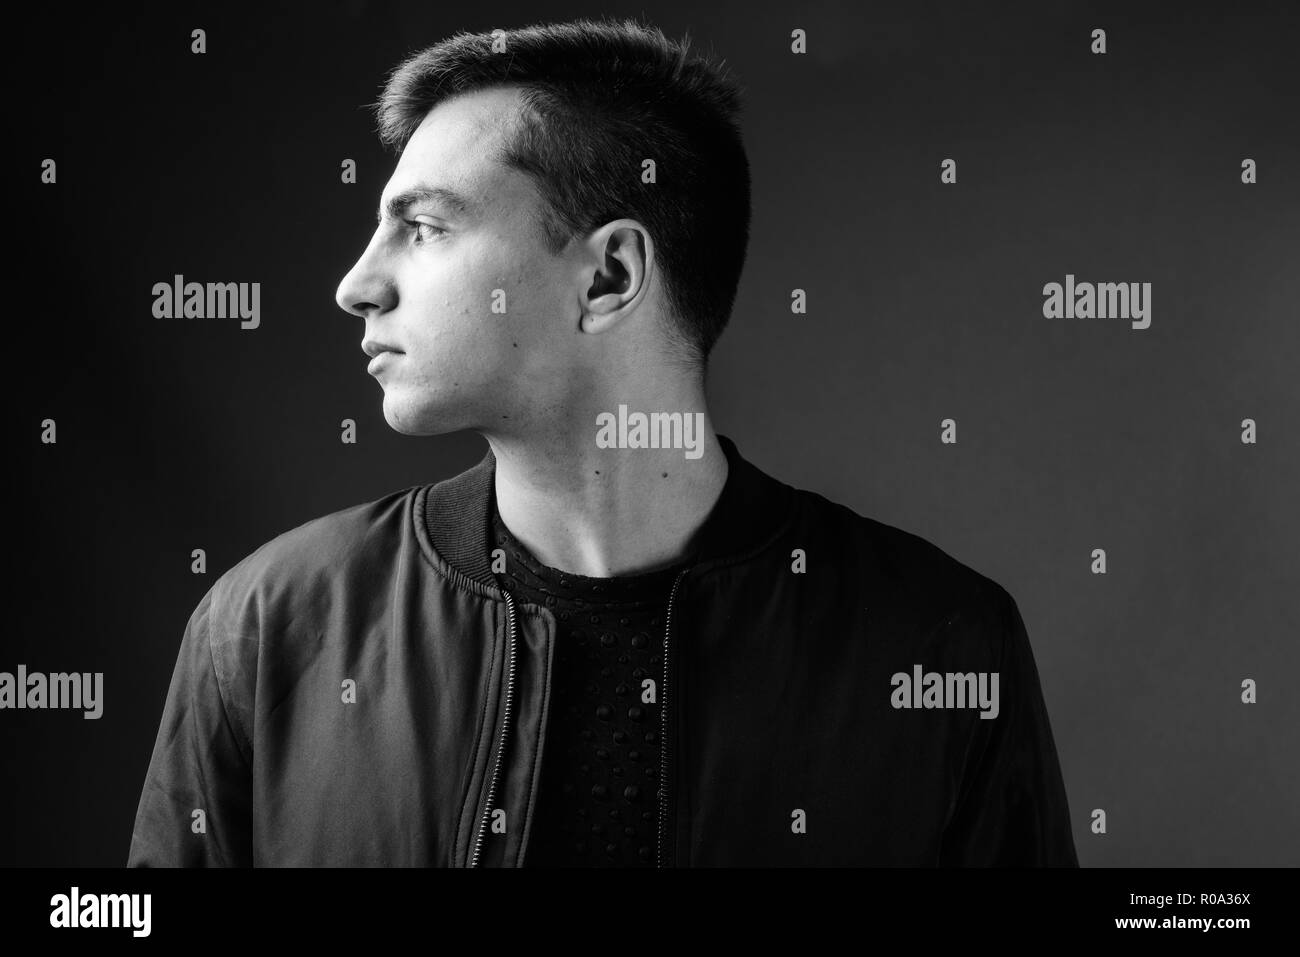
598, 322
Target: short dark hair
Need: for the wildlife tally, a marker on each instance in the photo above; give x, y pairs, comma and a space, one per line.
599, 97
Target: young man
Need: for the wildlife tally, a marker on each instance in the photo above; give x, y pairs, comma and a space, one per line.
614, 641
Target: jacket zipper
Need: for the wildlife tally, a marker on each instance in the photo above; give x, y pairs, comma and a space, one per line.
501, 745
663, 721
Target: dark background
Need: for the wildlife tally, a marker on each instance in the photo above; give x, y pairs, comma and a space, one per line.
925, 303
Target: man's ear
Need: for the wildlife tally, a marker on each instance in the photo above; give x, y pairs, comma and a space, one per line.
620, 256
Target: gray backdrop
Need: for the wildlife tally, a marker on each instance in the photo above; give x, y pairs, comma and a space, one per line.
925, 302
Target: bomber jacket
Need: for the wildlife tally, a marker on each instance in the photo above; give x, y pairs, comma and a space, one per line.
360, 691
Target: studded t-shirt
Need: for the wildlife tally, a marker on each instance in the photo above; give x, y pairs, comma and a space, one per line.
598, 794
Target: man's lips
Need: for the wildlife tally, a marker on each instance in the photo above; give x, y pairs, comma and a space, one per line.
379, 352
378, 361
374, 348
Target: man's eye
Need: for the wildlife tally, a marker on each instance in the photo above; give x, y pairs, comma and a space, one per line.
425, 232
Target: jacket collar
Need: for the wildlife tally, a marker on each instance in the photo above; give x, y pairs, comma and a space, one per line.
751, 510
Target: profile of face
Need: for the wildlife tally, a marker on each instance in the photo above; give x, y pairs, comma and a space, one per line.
469, 318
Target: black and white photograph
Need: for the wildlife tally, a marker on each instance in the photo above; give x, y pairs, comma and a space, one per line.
836, 437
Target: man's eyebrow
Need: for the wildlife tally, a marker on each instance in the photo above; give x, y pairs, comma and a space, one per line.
457, 203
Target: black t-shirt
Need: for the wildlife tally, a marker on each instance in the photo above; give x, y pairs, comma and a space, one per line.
598, 796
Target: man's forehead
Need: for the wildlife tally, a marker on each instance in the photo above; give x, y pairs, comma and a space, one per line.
460, 138
466, 173
453, 152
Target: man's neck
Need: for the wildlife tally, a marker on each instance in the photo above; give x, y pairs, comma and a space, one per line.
606, 512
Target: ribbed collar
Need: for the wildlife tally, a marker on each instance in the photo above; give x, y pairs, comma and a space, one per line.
751, 510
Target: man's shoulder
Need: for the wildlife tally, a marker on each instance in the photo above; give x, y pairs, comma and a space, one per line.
899, 563
347, 543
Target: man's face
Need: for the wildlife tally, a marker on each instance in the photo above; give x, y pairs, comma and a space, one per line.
435, 279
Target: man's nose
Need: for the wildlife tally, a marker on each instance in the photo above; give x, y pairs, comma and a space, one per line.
367, 287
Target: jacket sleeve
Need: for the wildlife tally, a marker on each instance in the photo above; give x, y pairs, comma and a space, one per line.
1011, 809
200, 763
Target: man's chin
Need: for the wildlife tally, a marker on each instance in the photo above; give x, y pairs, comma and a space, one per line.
417, 421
